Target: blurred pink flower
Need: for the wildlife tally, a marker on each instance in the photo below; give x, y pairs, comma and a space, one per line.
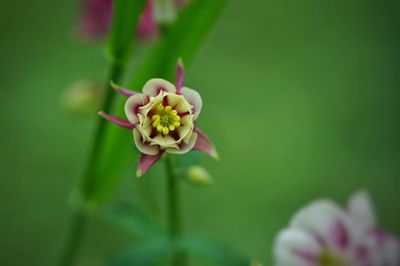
96, 17
324, 234
148, 27
163, 119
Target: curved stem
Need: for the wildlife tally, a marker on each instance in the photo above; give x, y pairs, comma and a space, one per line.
79, 219
174, 219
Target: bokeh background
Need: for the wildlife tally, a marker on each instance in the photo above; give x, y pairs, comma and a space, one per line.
300, 97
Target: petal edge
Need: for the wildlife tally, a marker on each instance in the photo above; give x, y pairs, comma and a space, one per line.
194, 98
155, 85
204, 144
145, 162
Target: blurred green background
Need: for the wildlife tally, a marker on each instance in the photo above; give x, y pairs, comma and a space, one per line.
301, 99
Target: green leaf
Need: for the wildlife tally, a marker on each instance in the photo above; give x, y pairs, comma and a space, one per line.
151, 251
126, 14
181, 40
213, 251
135, 219
146, 253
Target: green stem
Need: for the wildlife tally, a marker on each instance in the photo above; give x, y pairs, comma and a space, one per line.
174, 219
75, 236
79, 218
89, 178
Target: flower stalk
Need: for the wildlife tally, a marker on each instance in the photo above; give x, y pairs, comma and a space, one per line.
77, 227
173, 207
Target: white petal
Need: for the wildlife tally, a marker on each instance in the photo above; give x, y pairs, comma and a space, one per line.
384, 248
194, 98
188, 137
154, 86
361, 209
184, 147
145, 127
329, 223
295, 247
132, 106
186, 126
164, 141
391, 251
179, 103
144, 147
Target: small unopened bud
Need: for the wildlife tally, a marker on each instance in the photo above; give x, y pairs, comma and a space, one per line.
199, 176
255, 263
82, 97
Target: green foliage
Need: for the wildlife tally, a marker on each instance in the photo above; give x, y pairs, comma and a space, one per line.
181, 39
151, 251
135, 219
155, 245
126, 14
213, 252
145, 253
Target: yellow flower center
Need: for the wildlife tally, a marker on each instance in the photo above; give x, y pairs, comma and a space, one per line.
328, 259
165, 119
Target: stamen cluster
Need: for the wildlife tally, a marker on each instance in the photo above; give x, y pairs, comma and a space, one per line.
165, 119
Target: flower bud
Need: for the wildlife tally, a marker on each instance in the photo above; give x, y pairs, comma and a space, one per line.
255, 263
199, 176
82, 97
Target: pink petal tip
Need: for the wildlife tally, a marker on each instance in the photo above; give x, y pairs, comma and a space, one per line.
121, 90
145, 162
179, 75
203, 143
116, 120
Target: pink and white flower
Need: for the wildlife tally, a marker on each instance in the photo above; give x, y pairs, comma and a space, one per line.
324, 234
163, 119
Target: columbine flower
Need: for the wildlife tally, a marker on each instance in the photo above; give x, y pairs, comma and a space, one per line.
96, 17
163, 119
323, 234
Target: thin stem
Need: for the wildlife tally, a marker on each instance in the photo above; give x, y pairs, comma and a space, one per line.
77, 226
89, 177
174, 219
78, 220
